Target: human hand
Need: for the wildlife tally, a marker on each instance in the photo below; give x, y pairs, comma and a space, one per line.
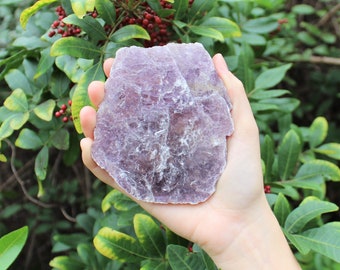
226, 223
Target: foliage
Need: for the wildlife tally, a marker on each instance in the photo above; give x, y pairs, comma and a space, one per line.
59, 49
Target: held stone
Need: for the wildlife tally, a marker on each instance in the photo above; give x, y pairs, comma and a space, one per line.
162, 127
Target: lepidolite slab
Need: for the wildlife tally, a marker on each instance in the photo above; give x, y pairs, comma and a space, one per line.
161, 129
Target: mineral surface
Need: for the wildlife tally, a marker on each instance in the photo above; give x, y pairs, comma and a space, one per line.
162, 127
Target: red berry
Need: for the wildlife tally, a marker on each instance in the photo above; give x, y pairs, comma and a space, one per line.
63, 107
65, 119
267, 189
145, 22
57, 114
51, 33
158, 20
69, 102
61, 111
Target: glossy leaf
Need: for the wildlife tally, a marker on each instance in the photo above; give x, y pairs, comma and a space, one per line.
118, 246
207, 32
331, 150
260, 25
75, 47
5, 129
106, 11
324, 240
11, 245
154, 265
271, 77
60, 139
244, 71
45, 63
28, 139
318, 131
315, 168
267, 154
41, 163
181, 7
81, 7
199, 7
17, 101
80, 97
310, 208
89, 25
149, 235
17, 120
303, 9
180, 258
260, 94
155, 5
281, 209
226, 27
288, 154
130, 32
45, 110
206, 260
17, 80
29, 12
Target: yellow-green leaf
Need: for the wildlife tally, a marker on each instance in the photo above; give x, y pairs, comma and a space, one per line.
118, 246
226, 27
314, 168
17, 101
81, 7
207, 32
45, 110
318, 131
28, 139
28, 12
329, 149
130, 32
18, 120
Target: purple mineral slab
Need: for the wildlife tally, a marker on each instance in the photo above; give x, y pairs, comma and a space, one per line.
162, 126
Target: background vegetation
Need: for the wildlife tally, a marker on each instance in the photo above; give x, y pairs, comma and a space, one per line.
286, 53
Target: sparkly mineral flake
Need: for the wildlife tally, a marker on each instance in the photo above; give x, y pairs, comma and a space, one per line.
162, 126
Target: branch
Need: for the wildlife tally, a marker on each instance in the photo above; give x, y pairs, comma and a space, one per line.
320, 60
328, 15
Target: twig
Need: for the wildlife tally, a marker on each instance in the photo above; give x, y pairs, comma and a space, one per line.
328, 15
21, 182
67, 216
320, 60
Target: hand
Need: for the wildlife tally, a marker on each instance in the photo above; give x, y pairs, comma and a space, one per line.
229, 222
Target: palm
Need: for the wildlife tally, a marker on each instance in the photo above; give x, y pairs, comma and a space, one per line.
239, 188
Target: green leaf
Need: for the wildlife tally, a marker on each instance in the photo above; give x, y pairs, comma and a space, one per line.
245, 62
89, 25
260, 94
303, 9
288, 154
11, 245
260, 25
315, 183
81, 7
207, 32
41, 163
45, 110
181, 258
207, 261
267, 154
155, 5
45, 63
271, 77
5, 129
314, 168
149, 235
28, 139
318, 131
281, 209
154, 265
181, 7
29, 12
118, 246
130, 32
106, 11
80, 97
226, 27
17, 80
324, 240
75, 47
296, 241
17, 101
60, 139
310, 208
117, 199
199, 7
331, 150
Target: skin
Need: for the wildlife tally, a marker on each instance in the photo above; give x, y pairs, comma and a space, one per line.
235, 226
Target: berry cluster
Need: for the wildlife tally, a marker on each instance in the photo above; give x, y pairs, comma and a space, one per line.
267, 189
142, 14
64, 112
59, 27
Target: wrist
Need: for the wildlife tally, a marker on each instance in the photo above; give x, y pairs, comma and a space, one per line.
256, 243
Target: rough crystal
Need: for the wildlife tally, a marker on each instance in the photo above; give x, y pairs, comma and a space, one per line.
161, 129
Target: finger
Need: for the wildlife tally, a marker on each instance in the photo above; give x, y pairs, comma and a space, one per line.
107, 66
88, 120
86, 145
96, 92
